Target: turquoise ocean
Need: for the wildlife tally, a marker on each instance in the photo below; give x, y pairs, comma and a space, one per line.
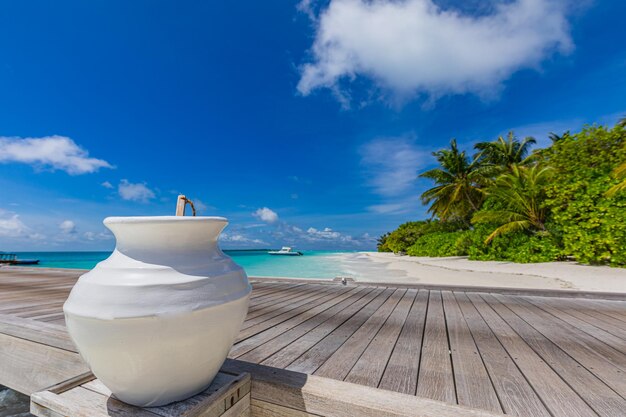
313, 264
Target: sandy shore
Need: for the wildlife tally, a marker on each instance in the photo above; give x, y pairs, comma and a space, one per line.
459, 271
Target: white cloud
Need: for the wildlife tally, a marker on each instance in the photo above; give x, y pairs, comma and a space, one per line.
11, 226
135, 191
412, 47
67, 227
107, 184
392, 164
239, 238
326, 233
91, 236
56, 152
267, 215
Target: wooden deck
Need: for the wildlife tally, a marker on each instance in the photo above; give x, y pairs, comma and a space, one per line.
521, 355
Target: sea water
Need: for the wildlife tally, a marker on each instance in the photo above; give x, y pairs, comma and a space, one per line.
257, 263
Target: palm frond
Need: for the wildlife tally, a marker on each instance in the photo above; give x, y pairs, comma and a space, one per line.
516, 226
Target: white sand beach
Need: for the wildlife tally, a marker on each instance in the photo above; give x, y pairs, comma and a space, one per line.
459, 271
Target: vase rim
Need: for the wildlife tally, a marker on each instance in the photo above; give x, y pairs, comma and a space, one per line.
164, 219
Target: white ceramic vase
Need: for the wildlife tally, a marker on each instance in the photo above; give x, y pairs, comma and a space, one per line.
156, 319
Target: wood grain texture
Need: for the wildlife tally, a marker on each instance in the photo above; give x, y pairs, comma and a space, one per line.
316, 356
436, 379
28, 367
602, 360
516, 395
401, 372
328, 397
536, 353
297, 348
369, 369
556, 395
473, 385
343, 359
227, 396
598, 395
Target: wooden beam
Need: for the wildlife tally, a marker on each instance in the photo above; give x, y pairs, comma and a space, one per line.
29, 367
284, 391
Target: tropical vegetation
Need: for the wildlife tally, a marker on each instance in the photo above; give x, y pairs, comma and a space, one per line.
510, 202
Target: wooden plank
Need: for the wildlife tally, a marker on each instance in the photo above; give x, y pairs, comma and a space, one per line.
295, 317
472, 382
71, 383
436, 380
615, 309
343, 359
556, 395
28, 367
36, 331
240, 409
607, 323
327, 397
265, 409
369, 368
602, 360
281, 306
274, 298
227, 396
280, 314
43, 403
290, 353
86, 402
403, 366
598, 395
276, 290
573, 318
515, 393
264, 350
313, 358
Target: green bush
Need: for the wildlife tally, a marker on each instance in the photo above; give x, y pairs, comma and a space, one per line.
591, 226
407, 234
569, 216
518, 247
441, 244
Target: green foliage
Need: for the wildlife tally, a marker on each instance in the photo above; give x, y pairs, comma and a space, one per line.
518, 247
564, 201
441, 244
458, 182
520, 196
591, 223
503, 154
382, 243
407, 234
620, 174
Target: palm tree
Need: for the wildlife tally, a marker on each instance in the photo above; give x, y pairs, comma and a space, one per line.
505, 153
557, 138
458, 180
619, 173
622, 122
520, 193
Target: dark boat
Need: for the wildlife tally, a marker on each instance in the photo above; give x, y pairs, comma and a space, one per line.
11, 259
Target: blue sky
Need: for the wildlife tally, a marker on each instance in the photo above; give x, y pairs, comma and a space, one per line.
304, 123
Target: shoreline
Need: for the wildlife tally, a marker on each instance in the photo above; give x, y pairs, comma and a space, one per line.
461, 272
388, 268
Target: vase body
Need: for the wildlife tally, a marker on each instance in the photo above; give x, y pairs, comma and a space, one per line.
156, 319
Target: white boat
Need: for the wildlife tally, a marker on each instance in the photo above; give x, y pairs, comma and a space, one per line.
285, 250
